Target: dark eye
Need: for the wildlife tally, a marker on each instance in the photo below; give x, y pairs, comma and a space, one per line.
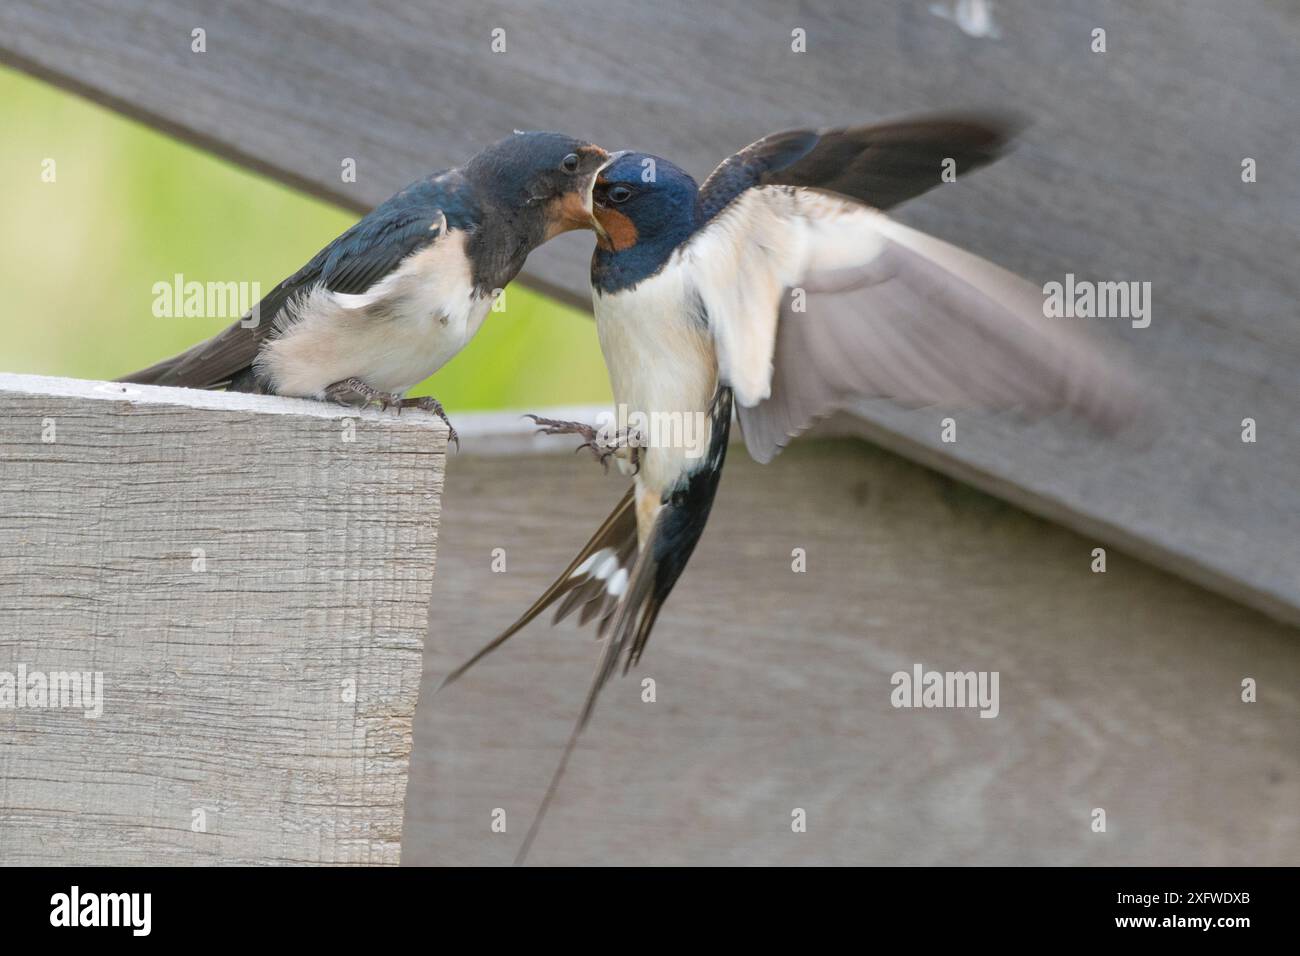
570, 163
619, 194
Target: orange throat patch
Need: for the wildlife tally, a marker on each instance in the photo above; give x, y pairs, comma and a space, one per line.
567, 213
620, 232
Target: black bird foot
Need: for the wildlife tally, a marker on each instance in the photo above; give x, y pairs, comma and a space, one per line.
340, 392
601, 447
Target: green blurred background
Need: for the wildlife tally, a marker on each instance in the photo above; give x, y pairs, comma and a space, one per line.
130, 207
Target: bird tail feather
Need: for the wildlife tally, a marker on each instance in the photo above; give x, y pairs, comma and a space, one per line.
668, 546
584, 583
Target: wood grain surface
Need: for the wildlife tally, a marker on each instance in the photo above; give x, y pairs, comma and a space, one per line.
253, 588
1119, 691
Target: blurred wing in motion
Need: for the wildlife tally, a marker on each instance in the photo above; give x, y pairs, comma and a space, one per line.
816, 304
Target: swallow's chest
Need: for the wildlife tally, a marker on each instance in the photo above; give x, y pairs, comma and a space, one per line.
436, 307
393, 336
657, 348
661, 362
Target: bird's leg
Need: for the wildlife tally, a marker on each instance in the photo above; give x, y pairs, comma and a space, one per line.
348, 391
603, 446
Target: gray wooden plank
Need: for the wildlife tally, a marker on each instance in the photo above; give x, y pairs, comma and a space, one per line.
1132, 171
253, 589
1118, 691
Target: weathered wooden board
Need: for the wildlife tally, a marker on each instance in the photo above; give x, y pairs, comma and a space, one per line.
1132, 172
1119, 691
250, 576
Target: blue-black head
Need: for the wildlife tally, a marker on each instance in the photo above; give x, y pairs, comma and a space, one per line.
644, 208
540, 182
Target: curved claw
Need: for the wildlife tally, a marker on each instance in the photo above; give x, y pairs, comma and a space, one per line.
385, 400
596, 453
602, 449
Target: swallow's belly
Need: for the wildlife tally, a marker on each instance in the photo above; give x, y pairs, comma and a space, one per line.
405, 328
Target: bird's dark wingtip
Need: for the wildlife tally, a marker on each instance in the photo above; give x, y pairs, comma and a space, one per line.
990, 131
1002, 126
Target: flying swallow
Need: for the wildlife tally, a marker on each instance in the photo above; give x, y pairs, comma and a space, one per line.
780, 288
393, 299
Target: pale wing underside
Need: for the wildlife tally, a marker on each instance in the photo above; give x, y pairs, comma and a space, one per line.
745, 260
817, 304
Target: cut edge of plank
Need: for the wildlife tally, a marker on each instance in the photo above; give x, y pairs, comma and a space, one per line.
198, 398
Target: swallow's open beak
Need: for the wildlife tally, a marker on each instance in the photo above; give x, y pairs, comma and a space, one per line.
573, 210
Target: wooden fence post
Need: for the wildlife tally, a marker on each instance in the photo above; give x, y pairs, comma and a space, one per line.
212, 611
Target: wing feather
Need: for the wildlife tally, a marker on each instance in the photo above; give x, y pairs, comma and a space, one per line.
880, 165
353, 263
816, 304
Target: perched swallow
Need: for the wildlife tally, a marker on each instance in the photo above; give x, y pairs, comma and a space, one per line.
393, 299
780, 287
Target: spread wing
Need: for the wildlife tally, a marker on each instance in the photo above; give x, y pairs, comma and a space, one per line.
817, 302
880, 165
351, 264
